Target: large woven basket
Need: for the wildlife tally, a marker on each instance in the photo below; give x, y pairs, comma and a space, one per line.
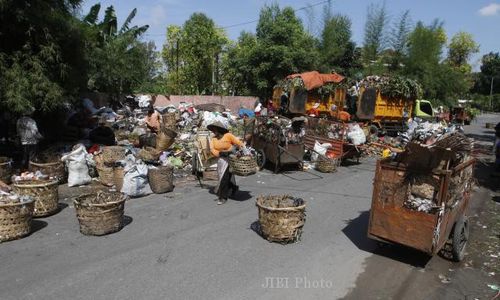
243, 166
112, 154
44, 192
15, 220
165, 139
281, 224
52, 169
326, 165
100, 213
170, 120
149, 154
161, 179
118, 174
5, 169
106, 175
148, 139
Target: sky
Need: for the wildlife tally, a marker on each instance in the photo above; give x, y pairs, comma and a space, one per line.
478, 17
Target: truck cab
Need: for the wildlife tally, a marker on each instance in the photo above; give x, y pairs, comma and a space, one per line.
423, 109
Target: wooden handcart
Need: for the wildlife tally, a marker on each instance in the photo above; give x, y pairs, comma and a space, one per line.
392, 222
271, 146
203, 162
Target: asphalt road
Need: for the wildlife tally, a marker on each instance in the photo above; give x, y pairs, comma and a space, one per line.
183, 246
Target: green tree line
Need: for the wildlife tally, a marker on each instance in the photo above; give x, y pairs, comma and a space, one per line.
51, 52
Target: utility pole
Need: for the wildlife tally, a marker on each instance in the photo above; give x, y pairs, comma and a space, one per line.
491, 92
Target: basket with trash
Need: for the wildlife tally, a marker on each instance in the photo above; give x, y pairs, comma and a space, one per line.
161, 179
16, 213
49, 164
43, 190
100, 213
165, 138
281, 217
243, 162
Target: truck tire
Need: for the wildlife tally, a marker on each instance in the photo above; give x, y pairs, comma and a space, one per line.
460, 238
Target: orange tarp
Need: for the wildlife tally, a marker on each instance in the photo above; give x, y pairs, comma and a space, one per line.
314, 79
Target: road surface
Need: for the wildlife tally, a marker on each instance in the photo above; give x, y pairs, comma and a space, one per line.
183, 246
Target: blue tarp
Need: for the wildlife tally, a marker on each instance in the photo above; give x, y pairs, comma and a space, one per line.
244, 111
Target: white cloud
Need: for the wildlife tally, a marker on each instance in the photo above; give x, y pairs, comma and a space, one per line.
490, 10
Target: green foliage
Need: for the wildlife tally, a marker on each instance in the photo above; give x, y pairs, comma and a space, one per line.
117, 61
281, 47
461, 48
399, 40
336, 49
490, 72
191, 55
375, 38
396, 87
41, 54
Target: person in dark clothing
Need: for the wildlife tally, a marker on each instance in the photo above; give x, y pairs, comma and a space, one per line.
103, 134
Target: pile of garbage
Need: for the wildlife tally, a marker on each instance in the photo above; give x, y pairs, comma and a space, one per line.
12, 198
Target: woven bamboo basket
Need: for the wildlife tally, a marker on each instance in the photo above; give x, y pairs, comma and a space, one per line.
327, 165
100, 213
112, 154
118, 174
54, 169
15, 220
149, 154
281, 217
170, 120
44, 192
165, 139
106, 176
5, 169
243, 166
161, 179
148, 139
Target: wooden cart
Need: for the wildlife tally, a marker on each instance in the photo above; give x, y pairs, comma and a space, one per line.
274, 149
340, 146
390, 221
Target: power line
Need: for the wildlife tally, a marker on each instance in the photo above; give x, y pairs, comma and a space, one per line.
253, 21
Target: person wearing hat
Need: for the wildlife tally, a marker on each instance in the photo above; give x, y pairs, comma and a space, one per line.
153, 120
28, 133
221, 145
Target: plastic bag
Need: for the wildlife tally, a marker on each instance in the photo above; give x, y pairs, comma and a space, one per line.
135, 179
320, 149
78, 170
356, 135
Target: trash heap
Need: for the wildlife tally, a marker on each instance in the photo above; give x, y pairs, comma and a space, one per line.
431, 150
281, 130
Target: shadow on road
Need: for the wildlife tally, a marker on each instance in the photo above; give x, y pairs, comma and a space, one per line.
127, 220
356, 231
483, 174
37, 225
242, 196
482, 137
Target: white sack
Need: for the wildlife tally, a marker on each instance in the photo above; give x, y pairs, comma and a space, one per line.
77, 166
320, 149
135, 180
356, 135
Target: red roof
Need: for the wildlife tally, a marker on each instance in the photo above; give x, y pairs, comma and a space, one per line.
314, 79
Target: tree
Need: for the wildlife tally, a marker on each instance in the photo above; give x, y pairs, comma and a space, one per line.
118, 61
41, 57
461, 48
336, 48
490, 72
283, 47
192, 54
375, 39
399, 40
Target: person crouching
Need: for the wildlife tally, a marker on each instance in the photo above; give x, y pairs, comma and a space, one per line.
221, 146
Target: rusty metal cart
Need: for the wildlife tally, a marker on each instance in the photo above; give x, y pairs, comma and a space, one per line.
340, 146
392, 222
273, 148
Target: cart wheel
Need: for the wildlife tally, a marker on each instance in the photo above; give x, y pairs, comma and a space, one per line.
374, 130
460, 237
261, 158
194, 165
